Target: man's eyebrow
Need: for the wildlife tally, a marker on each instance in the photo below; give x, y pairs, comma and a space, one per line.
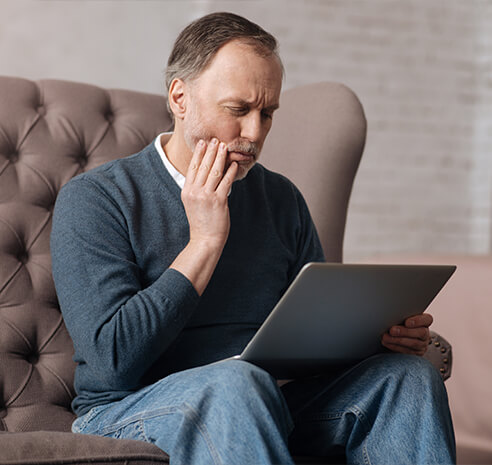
240, 101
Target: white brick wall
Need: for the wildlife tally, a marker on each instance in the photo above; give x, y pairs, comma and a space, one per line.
423, 72
422, 68
482, 189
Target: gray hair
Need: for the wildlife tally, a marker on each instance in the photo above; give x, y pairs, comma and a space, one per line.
198, 43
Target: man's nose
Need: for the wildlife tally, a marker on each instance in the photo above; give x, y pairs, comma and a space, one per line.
251, 127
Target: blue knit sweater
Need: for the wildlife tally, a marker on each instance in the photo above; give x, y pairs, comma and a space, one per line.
116, 230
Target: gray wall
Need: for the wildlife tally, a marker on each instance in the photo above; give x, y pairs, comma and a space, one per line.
422, 68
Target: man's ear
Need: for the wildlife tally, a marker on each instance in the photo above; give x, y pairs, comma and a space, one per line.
176, 98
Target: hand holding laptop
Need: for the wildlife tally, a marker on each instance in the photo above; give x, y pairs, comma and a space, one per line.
338, 314
411, 338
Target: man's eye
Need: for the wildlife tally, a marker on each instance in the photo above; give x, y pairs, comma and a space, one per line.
266, 115
238, 110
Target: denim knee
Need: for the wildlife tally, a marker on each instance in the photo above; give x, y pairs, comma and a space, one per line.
411, 366
233, 399
240, 378
246, 386
409, 374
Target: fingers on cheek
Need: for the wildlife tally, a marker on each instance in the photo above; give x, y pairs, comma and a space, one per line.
230, 174
198, 153
222, 150
234, 168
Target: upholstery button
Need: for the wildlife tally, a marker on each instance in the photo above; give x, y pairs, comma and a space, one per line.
33, 358
14, 157
110, 117
23, 257
41, 110
82, 160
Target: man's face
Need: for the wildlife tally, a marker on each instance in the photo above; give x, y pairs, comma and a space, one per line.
233, 99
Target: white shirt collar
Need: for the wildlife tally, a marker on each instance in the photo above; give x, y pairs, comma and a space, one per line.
175, 174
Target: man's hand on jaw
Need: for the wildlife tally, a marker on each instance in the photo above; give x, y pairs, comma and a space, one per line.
410, 338
204, 196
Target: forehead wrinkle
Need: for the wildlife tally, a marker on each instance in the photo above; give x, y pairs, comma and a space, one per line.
233, 76
246, 102
263, 93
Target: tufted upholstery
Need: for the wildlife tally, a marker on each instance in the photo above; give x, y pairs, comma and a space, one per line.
49, 132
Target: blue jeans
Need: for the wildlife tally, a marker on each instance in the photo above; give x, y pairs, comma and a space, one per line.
388, 409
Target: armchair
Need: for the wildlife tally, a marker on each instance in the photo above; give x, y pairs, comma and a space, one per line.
53, 130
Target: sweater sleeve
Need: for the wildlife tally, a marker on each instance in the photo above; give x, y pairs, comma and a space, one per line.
119, 329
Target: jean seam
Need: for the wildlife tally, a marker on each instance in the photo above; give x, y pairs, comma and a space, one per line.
138, 417
320, 417
88, 417
361, 416
193, 415
141, 428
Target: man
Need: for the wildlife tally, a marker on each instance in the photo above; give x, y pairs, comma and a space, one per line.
167, 262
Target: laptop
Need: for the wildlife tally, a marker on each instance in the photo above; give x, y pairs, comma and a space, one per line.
334, 315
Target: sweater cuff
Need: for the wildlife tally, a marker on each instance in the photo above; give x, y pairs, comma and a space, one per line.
177, 289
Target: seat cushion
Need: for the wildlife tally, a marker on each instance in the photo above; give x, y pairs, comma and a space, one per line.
46, 447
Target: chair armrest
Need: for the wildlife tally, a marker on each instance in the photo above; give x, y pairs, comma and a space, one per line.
440, 354
63, 448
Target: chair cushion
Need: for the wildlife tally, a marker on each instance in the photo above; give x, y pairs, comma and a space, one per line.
46, 447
